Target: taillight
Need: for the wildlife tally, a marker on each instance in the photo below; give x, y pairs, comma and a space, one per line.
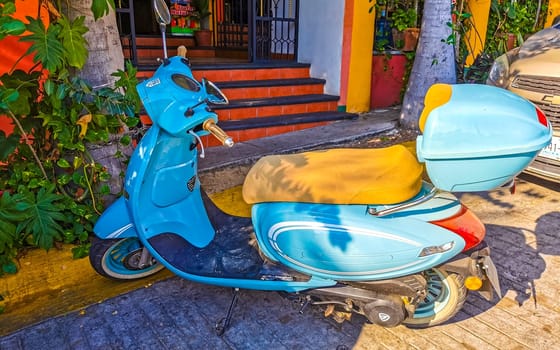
542, 117
466, 225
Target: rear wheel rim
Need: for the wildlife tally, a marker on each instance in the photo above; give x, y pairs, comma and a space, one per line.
437, 296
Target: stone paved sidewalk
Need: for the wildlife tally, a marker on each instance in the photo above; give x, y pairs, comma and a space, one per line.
523, 231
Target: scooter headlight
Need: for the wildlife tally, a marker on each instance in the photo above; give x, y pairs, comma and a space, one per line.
436, 249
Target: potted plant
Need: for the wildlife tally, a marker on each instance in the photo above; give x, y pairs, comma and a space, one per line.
203, 35
404, 21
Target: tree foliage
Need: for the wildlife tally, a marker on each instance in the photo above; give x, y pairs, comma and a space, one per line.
51, 187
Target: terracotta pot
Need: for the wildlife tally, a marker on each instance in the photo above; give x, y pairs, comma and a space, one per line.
511, 41
203, 37
410, 39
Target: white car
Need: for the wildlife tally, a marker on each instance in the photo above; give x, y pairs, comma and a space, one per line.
533, 72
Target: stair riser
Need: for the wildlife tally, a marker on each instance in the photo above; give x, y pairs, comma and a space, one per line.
283, 107
272, 91
251, 134
268, 111
251, 74
241, 74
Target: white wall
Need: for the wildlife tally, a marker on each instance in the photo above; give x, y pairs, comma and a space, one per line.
321, 24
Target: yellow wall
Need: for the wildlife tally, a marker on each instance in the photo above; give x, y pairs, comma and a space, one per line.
359, 75
476, 36
553, 11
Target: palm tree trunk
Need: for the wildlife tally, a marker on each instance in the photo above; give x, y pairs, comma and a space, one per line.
434, 61
105, 57
104, 45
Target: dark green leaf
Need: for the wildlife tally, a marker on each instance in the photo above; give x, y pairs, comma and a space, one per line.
100, 120
7, 145
45, 44
125, 140
130, 122
81, 251
49, 86
8, 7
6, 97
13, 27
105, 190
10, 268
101, 8
63, 179
46, 219
63, 163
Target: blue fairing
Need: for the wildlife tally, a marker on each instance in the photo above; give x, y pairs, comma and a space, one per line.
164, 192
345, 242
115, 222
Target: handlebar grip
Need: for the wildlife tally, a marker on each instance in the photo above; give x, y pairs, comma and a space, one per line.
182, 51
210, 126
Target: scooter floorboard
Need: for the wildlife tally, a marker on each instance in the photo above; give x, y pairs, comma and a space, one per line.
233, 253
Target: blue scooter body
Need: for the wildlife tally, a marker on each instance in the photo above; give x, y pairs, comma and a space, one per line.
164, 207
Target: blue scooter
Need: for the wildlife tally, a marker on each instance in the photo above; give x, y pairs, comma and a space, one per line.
356, 230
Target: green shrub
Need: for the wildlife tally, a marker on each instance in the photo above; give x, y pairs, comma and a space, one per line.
51, 186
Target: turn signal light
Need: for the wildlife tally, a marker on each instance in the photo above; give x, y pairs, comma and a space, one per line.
473, 283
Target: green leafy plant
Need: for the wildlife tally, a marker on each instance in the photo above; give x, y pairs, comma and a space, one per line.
403, 18
507, 18
516, 18
202, 9
202, 13
52, 188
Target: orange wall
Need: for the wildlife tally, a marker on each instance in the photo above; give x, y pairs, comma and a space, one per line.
13, 50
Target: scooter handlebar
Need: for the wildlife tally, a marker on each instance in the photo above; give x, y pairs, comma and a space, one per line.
211, 126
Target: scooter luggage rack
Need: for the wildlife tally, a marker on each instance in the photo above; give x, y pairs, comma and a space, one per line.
510, 185
420, 200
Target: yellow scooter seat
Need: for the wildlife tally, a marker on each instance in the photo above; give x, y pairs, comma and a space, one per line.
337, 176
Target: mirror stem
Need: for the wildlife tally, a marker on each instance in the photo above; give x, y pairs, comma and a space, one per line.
162, 28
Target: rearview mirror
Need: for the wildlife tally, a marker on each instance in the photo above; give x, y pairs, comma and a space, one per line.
163, 17
215, 95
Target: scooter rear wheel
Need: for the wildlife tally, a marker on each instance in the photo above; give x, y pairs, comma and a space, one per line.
119, 259
446, 296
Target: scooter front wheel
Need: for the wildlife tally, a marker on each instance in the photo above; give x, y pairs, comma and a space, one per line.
120, 259
446, 295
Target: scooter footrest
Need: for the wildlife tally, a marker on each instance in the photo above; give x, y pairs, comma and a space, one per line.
233, 261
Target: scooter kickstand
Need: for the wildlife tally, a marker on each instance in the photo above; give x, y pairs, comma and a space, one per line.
223, 323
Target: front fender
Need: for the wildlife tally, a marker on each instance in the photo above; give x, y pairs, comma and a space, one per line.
115, 222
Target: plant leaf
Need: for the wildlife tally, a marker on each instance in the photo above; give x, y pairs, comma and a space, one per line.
46, 217
73, 41
13, 27
83, 123
7, 145
9, 217
101, 8
45, 44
